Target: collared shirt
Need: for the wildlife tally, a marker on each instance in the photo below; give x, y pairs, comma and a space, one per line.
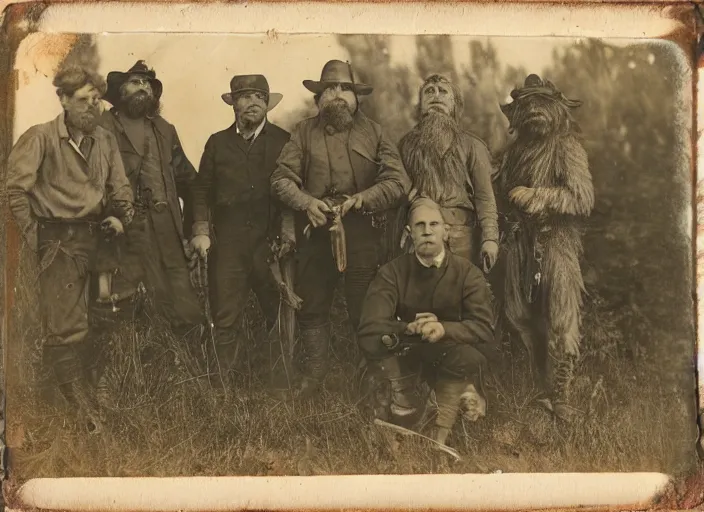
437, 260
253, 137
47, 177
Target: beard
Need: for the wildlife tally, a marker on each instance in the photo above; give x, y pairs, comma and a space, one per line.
85, 122
431, 157
138, 104
336, 113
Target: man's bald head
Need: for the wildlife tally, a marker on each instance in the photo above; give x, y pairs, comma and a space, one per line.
426, 227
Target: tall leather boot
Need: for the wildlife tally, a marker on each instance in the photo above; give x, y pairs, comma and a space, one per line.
315, 343
69, 371
448, 393
407, 405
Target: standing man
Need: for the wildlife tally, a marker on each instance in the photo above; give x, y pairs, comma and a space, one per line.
156, 251
232, 199
453, 167
60, 177
342, 158
433, 306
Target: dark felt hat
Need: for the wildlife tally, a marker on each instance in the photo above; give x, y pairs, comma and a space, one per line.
115, 79
336, 72
534, 85
249, 83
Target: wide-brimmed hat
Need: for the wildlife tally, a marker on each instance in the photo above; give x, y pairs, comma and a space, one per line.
534, 85
336, 72
249, 83
115, 79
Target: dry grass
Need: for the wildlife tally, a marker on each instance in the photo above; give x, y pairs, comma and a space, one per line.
162, 419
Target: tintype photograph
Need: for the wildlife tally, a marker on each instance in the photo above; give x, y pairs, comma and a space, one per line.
335, 254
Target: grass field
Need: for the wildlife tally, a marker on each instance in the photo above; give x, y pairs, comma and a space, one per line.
163, 420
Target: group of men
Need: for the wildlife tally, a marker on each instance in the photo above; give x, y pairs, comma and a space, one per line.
88, 174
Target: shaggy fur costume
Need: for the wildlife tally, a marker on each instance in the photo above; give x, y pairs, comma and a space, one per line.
546, 187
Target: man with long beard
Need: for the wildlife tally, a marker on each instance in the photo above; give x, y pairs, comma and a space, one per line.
338, 164
156, 253
61, 177
451, 166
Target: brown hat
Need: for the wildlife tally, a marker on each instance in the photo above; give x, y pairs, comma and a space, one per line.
534, 85
336, 72
249, 83
115, 79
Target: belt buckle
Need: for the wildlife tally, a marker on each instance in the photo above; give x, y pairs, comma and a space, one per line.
159, 206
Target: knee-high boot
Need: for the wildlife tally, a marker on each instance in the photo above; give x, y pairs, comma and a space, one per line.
406, 403
315, 343
448, 393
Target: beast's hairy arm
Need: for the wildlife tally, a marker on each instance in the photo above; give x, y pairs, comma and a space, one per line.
475, 328
574, 197
481, 171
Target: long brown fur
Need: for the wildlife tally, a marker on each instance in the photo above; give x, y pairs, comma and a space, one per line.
546, 182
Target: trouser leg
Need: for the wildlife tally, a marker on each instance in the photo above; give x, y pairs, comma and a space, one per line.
229, 280
67, 254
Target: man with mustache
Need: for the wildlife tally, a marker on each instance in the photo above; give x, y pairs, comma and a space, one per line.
453, 168
155, 252
338, 158
64, 179
232, 200
433, 306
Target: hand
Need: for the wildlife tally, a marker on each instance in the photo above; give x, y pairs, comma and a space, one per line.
353, 202
489, 254
112, 226
521, 197
200, 244
432, 331
420, 320
316, 213
191, 254
287, 245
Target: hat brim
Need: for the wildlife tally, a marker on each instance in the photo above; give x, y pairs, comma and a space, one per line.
116, 79
274, 98
319, 87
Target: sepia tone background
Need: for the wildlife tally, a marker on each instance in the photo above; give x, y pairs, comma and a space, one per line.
635, 383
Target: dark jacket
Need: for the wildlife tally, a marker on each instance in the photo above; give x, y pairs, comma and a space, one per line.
457, 293
224, 180
376, 163
177, 170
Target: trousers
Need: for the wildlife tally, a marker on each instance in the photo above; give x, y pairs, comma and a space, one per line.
317, 274
67, 253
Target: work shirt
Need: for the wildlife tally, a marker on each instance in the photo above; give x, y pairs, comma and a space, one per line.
48, 177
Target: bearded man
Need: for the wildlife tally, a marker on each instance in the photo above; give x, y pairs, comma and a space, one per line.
233, 203
429, 311
155, 253
452, 166
61, 177
340, 165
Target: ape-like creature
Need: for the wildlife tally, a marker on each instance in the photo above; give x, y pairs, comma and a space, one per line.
546, 188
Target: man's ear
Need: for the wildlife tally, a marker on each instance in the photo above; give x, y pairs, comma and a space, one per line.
407, 229
64, 99
445, 233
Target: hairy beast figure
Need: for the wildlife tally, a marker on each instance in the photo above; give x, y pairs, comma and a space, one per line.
546, 187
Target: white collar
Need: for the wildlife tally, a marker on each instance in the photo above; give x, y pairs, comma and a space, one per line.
437, 261
256, 132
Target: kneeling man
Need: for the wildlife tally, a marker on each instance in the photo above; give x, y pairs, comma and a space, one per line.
430, 309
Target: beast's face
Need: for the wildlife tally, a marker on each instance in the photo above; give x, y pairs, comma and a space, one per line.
538, 115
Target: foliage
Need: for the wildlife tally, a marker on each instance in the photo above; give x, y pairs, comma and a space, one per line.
633, 390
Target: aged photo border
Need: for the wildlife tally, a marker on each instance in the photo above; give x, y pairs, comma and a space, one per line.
674, 23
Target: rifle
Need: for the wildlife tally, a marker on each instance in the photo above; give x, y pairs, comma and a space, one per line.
202, 274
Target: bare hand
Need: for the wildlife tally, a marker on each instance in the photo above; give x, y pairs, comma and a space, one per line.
200, 244
112, 226
432, 331
489, 254
421, 318
316, 213
353, 202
